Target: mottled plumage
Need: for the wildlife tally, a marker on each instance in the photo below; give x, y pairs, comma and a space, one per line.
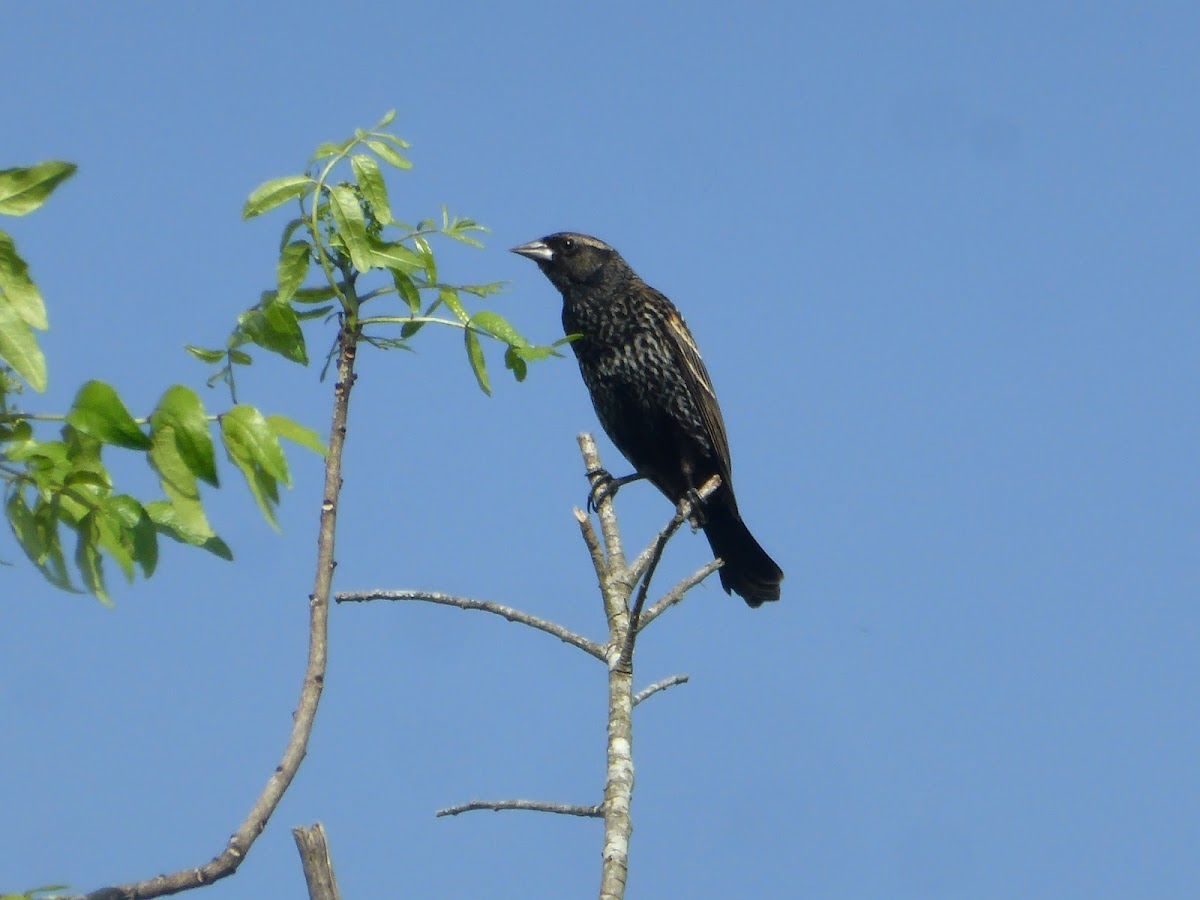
652, 393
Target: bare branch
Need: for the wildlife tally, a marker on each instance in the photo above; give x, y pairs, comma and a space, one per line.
318, 866
599, 563
677, 593
506, 612
227, 862
608, 516
684, 513
647, 692
562, 809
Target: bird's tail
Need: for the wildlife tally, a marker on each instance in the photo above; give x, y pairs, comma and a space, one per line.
748, 571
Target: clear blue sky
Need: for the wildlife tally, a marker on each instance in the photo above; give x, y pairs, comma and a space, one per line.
941, 260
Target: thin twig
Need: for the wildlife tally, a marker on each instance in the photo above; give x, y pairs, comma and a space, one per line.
227, 862
682, 514
608, 517
507, 612
677, 593
647, 692
562, 809
599, 563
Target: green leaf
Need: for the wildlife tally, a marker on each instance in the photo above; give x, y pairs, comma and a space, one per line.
388, 118
253, 447
370, 182
290, 229
314, 313
87, 557
497, 326
427, 259
272, 193
167, 520
208, 356
85, 477
482, 290
263, 487
398, 141
394, 256
136, 531
24, 190
313, 295
407, 290
513, 361
297, 433
533, 354
182, 410
275, 327
239, 358
389, 154
98, 411
449, 296
17, 285
460, 225
293, 266
248, 435
18, 346
84, 452
54, 564
348, 215
48, 454
326, 150
25, 528
478, 364
185, 520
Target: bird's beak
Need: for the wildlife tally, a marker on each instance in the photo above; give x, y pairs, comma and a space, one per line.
538, 251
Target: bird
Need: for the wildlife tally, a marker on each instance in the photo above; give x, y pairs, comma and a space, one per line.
653, 396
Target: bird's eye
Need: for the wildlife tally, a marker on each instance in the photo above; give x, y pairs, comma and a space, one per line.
568, 244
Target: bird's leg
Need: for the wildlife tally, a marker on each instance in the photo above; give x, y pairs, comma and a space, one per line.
605, 487
698, 517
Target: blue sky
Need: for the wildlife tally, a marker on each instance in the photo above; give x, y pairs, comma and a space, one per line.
941, 260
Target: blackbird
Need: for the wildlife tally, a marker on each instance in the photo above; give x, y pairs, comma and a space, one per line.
653, 395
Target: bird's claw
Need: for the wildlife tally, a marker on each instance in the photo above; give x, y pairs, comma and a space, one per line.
697, 518
604, 487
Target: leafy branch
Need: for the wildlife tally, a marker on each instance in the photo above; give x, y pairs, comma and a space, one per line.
348, 233
54, 487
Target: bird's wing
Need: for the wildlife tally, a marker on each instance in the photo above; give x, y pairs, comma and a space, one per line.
683, 345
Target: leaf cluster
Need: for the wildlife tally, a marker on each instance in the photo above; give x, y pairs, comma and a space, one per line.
63, 484
59, 488
346, 229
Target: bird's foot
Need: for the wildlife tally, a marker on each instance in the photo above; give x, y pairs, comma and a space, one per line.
605, 486
697, 517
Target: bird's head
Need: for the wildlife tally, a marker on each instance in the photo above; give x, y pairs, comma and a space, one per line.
572, 260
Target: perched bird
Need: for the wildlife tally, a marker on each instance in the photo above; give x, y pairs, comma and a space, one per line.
652, 394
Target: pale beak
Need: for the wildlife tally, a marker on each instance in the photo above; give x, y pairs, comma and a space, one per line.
538, 251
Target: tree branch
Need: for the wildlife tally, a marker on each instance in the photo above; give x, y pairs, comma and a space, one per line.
318, 865
682, 514
562, 809
506, 612
647, 692
677, 593
615, 587
608, 516
227, 862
